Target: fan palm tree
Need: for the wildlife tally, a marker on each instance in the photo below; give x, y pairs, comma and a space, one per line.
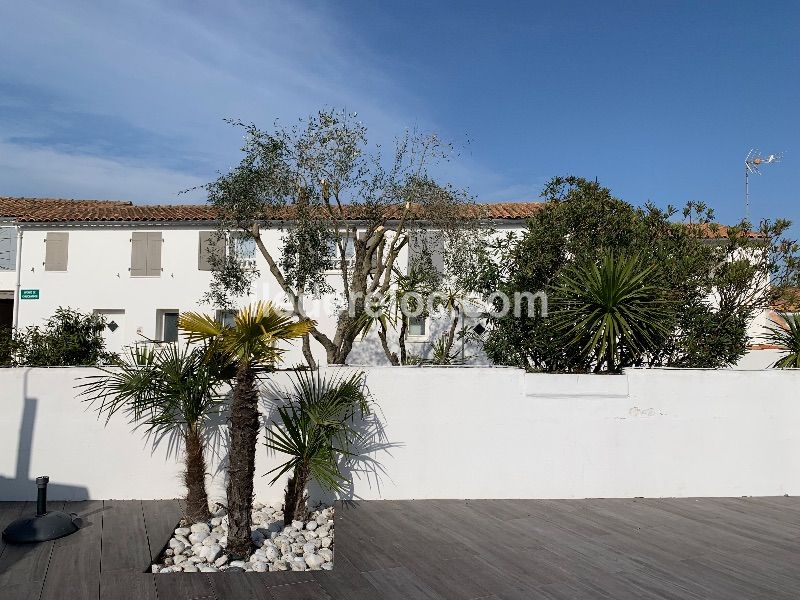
787, 339
250, 343
169, 390
612, 314
316, 428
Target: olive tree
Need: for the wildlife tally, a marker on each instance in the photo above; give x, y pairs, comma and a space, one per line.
332, 191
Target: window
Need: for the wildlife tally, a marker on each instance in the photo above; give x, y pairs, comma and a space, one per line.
168, 325
226, 317
334, 257
211, 249
8, 248
416, 326
426, 245
146, 254
243, 247
56, 251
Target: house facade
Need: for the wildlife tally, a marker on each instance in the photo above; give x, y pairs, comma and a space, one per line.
140, 266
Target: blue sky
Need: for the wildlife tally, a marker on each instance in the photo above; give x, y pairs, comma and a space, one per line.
659, 100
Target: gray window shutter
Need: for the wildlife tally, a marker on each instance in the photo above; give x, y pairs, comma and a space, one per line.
419, 241
8, 248
212, 245
56, 250
138, 254
154, 254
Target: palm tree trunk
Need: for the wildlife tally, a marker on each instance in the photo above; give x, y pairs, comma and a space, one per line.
244, 425
294, 504
195, 477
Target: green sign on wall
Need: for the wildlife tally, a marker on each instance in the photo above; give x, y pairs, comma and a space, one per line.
29, 294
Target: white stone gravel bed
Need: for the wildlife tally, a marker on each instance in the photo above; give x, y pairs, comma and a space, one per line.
301, 546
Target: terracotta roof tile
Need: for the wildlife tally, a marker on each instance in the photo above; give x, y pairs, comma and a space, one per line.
60, 210
56, 210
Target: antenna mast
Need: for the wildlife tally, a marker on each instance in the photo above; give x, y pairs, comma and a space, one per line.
752, 163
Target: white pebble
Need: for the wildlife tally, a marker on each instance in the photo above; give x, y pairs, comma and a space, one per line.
314, 562
298, 564
198, 536
221, 560
212, 553
198, 527
260, 567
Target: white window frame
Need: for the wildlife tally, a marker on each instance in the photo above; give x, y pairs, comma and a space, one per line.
161, 314
423, 337
333, 258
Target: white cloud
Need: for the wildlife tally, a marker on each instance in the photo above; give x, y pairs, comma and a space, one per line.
44, 172
174, 72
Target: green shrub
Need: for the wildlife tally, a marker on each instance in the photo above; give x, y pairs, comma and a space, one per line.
69, 338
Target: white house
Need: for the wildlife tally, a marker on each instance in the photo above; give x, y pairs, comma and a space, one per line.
142, 265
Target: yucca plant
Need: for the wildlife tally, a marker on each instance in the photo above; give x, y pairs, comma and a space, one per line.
250, 343
612, 314
787, 339
168, 390
316, 427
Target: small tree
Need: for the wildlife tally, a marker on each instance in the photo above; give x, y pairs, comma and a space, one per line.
717, 278
316, 427
250, 343
168, 390
346, 210
68, 339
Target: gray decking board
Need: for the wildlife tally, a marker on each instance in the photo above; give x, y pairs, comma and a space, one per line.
160, 520
74, 567
445, 549
23, 567
9, 511
123, 520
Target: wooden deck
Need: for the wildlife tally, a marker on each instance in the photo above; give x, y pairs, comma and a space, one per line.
725, 548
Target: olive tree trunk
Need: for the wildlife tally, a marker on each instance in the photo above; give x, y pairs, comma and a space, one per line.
244, 425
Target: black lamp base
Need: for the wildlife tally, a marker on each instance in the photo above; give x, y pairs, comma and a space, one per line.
49, 526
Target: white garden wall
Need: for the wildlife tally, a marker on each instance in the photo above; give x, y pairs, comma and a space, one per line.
458, 433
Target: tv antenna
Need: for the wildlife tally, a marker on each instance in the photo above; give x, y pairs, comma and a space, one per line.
752, 164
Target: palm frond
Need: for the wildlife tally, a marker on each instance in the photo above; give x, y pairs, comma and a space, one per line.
612, 312
315, 427
787, 339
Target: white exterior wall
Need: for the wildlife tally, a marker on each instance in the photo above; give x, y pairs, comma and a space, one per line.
456, 433
98, 278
